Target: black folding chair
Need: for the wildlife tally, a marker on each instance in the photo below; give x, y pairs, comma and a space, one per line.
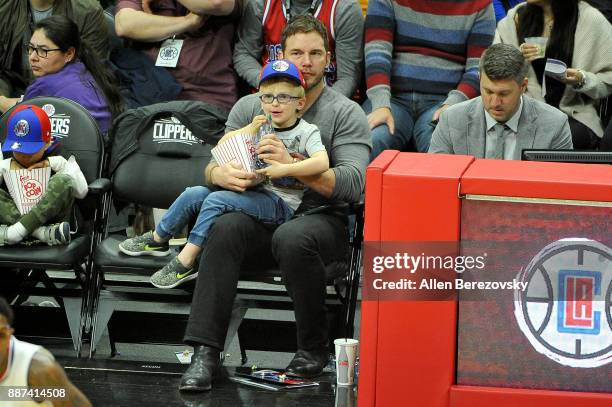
154, 175
81, 137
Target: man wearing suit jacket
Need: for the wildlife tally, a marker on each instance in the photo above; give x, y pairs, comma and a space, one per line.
503, 121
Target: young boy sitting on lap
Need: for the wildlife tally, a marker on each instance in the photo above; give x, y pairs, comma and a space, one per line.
282, 95
29, 140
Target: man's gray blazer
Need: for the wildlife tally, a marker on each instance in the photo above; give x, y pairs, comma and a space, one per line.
462, 129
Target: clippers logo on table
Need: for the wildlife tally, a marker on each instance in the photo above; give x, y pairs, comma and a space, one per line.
172, 131
565, 312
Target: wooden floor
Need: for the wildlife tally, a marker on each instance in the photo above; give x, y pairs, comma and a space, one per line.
111, 383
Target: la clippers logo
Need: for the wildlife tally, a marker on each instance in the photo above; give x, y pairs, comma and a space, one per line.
22, 128
577, 290
565, 312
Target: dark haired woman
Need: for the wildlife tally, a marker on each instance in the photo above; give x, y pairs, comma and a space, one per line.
581, 37
67, 67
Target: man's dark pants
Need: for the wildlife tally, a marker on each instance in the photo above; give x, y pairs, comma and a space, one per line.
300, 247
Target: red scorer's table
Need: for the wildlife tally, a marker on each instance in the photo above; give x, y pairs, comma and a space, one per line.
408, 354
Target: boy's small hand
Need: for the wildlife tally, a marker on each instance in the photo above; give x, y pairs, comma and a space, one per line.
257, 122
271, 147
40, 164
275, 169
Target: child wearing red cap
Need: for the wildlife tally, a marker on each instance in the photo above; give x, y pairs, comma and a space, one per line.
31, 144
282, 96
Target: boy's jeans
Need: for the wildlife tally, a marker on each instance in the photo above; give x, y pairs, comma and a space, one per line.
204, 205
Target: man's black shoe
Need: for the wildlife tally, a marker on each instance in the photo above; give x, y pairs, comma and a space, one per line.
205, 363
308, 363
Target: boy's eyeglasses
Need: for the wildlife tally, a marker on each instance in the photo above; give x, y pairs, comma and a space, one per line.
41, 52
282, 98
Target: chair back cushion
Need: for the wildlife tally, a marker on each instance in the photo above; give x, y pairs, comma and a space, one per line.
168, 158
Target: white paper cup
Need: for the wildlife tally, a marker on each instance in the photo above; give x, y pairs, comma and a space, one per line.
539, 42
346, 354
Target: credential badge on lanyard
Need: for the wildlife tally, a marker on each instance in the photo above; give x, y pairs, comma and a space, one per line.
169, 53
315, 5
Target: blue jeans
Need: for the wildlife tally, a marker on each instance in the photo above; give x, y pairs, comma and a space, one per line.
412, 113
205, 206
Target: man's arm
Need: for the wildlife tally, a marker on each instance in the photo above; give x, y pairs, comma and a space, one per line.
94, 31
349, 155
563, 139
140, 26
249, 45
349, 57
45, 372
479, 39
209, 7
440, 139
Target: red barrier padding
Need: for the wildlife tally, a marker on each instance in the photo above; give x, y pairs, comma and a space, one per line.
584, 182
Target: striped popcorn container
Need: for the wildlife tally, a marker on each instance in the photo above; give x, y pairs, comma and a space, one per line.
27, 186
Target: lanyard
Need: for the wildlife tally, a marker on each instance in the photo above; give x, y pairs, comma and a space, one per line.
314, 5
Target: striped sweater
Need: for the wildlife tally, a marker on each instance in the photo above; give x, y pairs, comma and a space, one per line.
426, 46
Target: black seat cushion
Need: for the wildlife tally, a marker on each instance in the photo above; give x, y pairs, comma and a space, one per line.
109, 259
42, 256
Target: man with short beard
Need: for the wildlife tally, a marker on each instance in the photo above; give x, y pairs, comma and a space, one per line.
300, 247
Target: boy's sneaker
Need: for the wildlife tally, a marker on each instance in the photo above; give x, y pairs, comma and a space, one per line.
56, 234
144, 245
173, 274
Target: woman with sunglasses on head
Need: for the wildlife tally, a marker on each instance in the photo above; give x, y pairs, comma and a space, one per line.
577, 34
65, 66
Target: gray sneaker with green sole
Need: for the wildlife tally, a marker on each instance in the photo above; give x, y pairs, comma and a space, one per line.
173, 274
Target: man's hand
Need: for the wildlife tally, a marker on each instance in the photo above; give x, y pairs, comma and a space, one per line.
40, 164
146, 6
272, 148
382, 115
196, 21
573, 77
438, 112
275, 169
233, 177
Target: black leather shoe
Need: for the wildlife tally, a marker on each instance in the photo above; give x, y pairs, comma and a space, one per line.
205, 363
308, 363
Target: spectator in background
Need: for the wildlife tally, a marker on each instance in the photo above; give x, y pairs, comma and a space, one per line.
420, 58
501, 122
196, 36
16, 19
501, 7
66, 66
260, 31
581, 37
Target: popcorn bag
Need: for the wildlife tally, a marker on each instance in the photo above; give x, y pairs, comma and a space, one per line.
27, 186
240, 148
